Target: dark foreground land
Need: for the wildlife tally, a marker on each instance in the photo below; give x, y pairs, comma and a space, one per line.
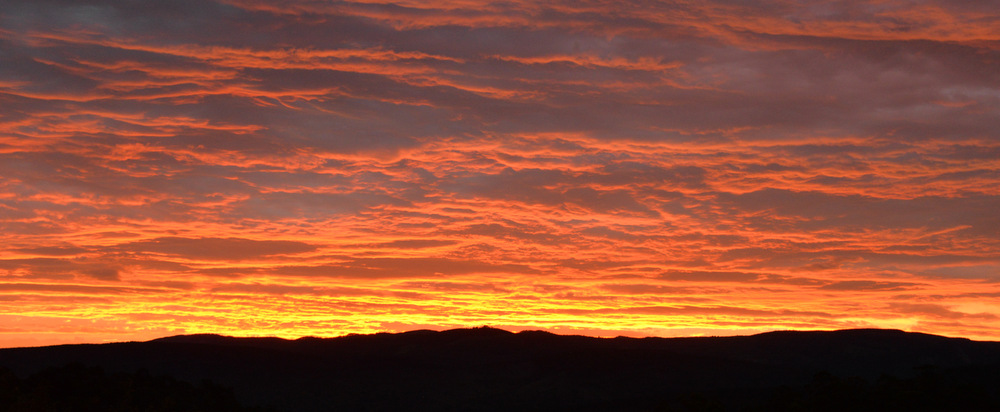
491, 369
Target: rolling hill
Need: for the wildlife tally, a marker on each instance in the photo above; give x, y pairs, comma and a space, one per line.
492, 369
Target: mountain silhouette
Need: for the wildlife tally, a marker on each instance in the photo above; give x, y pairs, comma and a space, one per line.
492, 369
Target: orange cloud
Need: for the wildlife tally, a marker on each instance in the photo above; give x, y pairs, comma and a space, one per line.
603, 168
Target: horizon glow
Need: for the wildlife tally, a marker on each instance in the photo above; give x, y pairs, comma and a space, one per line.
311, 168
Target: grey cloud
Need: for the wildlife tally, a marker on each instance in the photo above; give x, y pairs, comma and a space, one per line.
218, 248
548, 187
409, 244
277, 205
702, 310
375, 268
513, 230
279, 289
936, 311
844, 211
785, 92
169, 284
53, 250
607, 201
864, 285
455, 286
83, 177
527, 185
706, 276
52, 268
985, 269
76, 289
820, 260
633, 172
654, 289
607, 232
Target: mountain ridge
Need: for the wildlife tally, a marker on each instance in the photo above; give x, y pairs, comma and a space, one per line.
494, 369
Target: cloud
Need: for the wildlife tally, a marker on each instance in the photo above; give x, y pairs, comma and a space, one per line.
265, 166
410, 244
73, 289
704, 276
938, 311
633, 289
52, 250
824, 210
279, 289
53, 268
375, 268
862, 285
218, 248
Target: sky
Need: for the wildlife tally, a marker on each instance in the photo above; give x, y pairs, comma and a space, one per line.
638, 168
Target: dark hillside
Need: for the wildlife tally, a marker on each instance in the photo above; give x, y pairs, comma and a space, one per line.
492, 369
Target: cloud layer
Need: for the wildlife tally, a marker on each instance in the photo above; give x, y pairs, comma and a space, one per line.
652, 168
